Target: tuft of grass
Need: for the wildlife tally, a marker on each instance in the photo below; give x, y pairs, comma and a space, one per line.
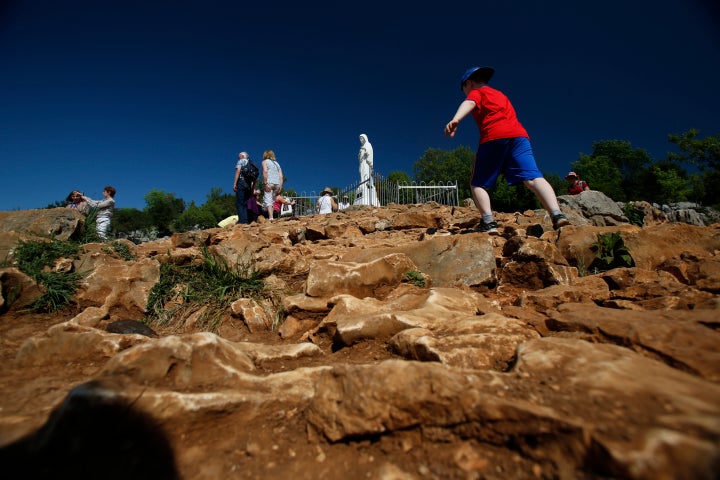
35, 258
88, 234
582, 268
121, 249
32, 256
59, 289
415, 277
206, 289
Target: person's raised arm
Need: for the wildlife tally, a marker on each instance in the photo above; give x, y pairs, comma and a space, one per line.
463, 111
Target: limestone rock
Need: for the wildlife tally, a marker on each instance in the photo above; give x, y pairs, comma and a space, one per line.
358, 279
512, 360
16, 288
594, 205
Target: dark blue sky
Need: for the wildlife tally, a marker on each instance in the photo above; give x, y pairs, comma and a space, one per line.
164, 94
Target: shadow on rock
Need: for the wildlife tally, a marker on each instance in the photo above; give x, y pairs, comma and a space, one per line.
93, 434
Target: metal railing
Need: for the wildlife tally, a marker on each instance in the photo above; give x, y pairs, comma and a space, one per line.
381, 192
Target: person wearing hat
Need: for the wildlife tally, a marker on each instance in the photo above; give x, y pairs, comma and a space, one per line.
576, 185
504, 148
326, 203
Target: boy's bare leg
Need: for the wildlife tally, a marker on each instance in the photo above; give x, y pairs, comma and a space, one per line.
481, 199
544, 193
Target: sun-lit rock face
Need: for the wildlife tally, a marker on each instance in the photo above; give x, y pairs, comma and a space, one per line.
397, 343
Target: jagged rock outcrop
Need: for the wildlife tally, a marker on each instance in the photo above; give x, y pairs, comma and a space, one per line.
399, 343
599, 209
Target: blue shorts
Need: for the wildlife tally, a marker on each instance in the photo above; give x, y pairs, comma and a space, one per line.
513, 157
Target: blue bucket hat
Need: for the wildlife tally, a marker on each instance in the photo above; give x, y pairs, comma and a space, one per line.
484, 73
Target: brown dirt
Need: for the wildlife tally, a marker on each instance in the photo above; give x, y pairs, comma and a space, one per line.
276, 443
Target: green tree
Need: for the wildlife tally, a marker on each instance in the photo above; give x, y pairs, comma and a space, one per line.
602, 174
440, 167
668, 182
195, 217
387, 190
399, 177
705, 155
630, 162
698, 188
627, 166
163, 209
126, 220
219, 205
558, 183
512, 198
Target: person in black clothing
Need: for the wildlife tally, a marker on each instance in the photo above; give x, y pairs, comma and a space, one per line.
242, 190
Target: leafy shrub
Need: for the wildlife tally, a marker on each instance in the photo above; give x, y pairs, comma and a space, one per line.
610, 252
415, 277
635, 215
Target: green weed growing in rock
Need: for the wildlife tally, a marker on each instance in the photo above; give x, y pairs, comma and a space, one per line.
121, 249
32, 256
415, 277
635, 215
58, 290
36, 259
88, 234
611, 252
582, 268
206, 289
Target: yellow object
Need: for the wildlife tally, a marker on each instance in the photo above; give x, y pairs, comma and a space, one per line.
231, 220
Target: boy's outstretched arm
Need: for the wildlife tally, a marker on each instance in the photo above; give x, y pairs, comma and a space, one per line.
463, 110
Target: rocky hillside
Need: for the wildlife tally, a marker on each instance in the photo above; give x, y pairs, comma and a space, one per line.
386, 343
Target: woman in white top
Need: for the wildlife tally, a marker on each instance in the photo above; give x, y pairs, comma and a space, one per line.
326, 203
272, 180
105, 211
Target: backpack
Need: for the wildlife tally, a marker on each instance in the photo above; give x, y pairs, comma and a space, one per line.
250, 172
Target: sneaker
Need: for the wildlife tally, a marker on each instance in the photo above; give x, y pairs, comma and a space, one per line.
559, 220
491, 227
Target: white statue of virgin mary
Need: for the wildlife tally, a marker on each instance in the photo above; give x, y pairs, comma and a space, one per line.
366, 194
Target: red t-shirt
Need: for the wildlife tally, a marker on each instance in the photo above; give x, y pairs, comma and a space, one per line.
495, 115
579, 187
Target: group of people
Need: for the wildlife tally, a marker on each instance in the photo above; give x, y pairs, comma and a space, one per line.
250, 202
504, 148
78, 201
